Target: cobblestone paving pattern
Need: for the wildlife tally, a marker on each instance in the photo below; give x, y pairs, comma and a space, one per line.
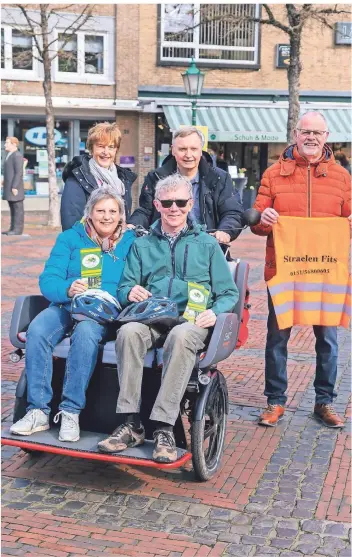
282, 491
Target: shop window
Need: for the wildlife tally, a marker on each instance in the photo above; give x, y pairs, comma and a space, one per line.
206, 33
82, 58
22, 55
94, 54
32, 137
17, 54
67, 57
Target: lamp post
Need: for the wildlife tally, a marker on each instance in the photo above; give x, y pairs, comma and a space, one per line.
193, 80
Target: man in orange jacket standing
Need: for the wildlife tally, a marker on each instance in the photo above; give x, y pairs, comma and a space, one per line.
305, 182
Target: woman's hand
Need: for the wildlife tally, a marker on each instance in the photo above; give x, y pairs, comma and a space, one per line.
206, 319
77, 287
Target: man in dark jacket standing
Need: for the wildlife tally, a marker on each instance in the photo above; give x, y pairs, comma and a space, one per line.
13, 190
216, 203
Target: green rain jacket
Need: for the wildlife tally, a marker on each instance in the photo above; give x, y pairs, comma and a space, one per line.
165, 271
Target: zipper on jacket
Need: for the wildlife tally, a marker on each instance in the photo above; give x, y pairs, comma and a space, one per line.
204, 209
173, 264
185, 262
173, 267
309, 193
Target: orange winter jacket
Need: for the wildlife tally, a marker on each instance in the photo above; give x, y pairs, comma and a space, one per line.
295, 188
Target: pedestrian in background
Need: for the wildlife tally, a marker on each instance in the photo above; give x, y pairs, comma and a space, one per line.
85, 173
13, 189
305, 182
343, 160
218, 157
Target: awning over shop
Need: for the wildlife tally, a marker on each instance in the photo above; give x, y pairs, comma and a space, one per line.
254, 124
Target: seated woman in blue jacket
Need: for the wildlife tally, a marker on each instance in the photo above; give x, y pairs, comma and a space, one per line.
102, 226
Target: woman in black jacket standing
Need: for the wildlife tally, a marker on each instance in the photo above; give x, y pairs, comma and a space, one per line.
85, 173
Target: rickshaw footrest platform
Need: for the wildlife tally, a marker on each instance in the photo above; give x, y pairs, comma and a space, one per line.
86, 447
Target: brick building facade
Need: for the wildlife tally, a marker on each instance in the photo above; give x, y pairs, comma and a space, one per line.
139, 84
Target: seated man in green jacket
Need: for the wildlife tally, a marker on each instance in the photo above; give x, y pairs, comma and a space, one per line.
162, 264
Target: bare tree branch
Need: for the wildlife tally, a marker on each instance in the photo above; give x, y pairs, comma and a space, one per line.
32, 28
273, 21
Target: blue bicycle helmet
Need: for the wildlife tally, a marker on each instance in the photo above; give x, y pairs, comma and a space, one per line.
95, 305
157, 311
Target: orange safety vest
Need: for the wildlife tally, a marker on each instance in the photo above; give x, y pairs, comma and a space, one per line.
312, 285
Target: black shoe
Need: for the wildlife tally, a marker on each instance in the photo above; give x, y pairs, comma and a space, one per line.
164, 446
5, 233
124, 437
14, 233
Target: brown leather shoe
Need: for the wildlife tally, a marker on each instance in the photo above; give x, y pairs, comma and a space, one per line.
271, 415
327, 415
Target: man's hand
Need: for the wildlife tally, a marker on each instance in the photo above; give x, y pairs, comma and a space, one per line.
14, 191
222, 237
206, 319
130, 226
77, 287
350, 219
269, 217
138, 294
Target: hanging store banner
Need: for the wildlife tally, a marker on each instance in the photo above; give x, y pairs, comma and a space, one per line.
248, 137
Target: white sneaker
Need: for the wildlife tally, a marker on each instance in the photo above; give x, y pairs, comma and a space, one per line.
35, 420
69, 430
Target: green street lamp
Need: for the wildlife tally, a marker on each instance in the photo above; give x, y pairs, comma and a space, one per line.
193, 80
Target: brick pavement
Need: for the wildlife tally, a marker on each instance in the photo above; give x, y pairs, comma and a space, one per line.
281, 491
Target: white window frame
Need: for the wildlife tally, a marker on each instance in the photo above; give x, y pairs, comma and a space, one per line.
80, 76
8, 72
196, 46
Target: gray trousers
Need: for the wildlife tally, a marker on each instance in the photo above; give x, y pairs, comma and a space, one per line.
17, 216
180, 349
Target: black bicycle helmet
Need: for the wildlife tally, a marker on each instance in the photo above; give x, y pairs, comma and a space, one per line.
95, 305
157, 311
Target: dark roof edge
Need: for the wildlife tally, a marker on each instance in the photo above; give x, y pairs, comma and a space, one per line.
249, 92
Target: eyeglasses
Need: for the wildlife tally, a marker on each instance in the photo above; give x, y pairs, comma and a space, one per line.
167, 203
316, 133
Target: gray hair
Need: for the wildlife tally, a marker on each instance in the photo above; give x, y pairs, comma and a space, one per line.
172, 183
186, 131
308, 113
104, 192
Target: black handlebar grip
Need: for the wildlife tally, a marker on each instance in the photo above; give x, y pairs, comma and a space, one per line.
251, 217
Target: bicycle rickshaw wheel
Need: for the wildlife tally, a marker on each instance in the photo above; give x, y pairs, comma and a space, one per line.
208, 434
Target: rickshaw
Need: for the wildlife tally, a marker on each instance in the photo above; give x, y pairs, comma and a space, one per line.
201, 425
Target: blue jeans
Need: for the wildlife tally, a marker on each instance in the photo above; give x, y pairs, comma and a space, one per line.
44, 333
276, 358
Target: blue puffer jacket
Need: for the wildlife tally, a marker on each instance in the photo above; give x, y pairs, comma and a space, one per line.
64, 264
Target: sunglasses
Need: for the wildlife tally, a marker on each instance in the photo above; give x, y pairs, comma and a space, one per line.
167, 203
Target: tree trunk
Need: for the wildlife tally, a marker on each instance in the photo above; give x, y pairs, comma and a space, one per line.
293, 75
54, 207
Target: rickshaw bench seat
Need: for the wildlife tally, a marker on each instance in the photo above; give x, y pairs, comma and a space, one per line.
221, 345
